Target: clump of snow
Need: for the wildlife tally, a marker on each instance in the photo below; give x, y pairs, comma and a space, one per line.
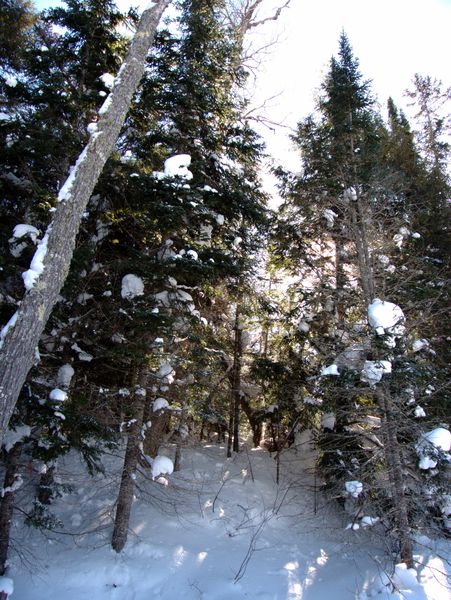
162, 465
57, 395
132, 286
37, 263
84, 297
6, 585
92, 127
192, 254
367, 521
22, 229
374, 370
330, 216
177, 166
12, 436
419, 412
16, 485
430, 445
328, 421
419, 345
330, 370
10, 80
160, 404
350, 194
64, 376
82, 355
108, 80
354, 488
166, 373
386, 318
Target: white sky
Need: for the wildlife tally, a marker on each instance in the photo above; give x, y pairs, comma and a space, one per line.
393, 39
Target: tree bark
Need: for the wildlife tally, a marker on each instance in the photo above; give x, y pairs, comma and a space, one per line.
7, 505
19, 339
236, 378
394, 461
131, 458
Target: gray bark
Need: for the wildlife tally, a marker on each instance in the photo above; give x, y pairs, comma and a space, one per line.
18, 349
392, 450
7, 505
132, 455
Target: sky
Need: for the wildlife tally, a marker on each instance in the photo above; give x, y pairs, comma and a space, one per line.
393, 40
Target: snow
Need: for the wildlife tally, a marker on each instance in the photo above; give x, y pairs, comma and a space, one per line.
6, 585
106, 104
374, 370
108, 80
132, 286
160, 404
330, 216
430, 445
328, 421
190, 537
58, 395
4, 332
419, 412
65, 191
64, 376
420, 345
330, 370
82, 355
162, 465
166, 373
177, 166
386, 318
354, 488
37, 263
12, 436
23, 229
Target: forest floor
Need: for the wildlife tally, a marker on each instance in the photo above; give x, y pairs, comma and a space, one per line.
219, 529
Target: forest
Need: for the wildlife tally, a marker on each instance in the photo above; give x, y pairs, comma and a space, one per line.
156, 298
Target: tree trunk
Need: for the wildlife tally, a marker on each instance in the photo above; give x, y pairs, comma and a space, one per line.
7, 505
131, 458
394, 461
20, 337
236, 378
157, 435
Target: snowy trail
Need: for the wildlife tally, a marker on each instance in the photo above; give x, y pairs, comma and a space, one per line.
213, 533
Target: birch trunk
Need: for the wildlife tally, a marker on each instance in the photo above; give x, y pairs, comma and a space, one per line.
20, 337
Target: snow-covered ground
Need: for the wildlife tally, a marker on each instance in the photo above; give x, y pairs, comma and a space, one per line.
219, 529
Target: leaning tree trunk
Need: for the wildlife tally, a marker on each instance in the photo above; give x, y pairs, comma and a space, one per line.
131, 458
7, 505
20, 337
